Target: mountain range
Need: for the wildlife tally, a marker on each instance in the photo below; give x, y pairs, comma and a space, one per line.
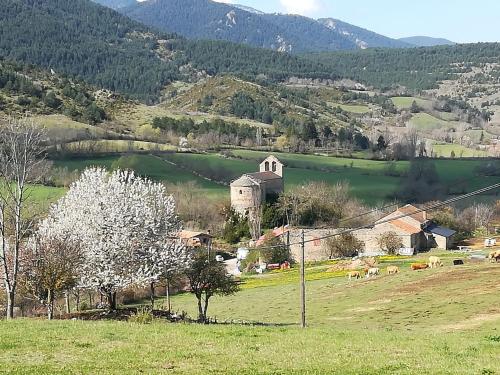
205, 19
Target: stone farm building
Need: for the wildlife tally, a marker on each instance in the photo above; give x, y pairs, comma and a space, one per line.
413, 227
252, 189
195, 239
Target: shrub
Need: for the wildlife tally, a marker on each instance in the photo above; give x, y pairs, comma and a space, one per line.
144, 315
390, 242
343, 246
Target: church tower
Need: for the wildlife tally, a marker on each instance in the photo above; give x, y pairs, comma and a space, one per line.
272, 164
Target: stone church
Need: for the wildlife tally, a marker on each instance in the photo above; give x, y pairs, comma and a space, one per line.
252, 189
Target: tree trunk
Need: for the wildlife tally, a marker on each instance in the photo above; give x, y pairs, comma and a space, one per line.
167, 293
67, 302
201, 316
205, 308
50, 305
91, 300
111, 300
152, 295
77, 300
10, 304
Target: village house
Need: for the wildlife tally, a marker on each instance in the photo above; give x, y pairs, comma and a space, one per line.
253, 189
195, 239
417, 234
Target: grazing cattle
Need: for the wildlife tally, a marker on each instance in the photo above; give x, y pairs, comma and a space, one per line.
435, 262
372, 272
392, 270
354, 275
458, 262
494, 256
419, 266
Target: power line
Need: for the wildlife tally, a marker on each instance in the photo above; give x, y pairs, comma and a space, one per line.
408, 201
418, 210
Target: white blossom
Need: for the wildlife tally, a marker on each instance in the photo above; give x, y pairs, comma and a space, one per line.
125, 225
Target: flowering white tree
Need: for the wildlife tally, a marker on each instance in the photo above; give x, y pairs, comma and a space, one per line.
125, 226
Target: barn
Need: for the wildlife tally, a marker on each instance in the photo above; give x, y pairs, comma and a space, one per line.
439, 237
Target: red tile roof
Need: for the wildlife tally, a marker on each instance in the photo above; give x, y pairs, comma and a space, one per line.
409, 209
405, 227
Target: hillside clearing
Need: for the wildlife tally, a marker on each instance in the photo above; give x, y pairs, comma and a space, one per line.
405, 102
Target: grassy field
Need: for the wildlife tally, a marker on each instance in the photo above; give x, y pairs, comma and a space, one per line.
149, 166
405, 102
444, 150
300, 169
441, 321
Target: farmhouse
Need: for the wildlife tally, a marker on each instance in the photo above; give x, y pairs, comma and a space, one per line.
195, 239
415, 231
252, 189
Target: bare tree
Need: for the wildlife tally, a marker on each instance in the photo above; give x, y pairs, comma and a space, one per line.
21, 155
50, 268
255, 218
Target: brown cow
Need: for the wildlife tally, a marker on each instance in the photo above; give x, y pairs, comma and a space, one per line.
392, 270
419, 266
354, 275
494, 256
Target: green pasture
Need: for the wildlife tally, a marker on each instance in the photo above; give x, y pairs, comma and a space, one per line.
145, 165
367, 179
441, 321
405, 102
444, 150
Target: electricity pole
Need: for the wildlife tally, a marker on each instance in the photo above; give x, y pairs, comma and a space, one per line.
302, 282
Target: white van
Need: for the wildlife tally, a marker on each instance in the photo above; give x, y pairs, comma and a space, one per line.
489, 242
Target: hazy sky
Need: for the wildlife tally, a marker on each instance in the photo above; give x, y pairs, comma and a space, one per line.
457, 20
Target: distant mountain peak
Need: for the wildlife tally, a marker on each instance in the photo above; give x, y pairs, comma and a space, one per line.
247, 9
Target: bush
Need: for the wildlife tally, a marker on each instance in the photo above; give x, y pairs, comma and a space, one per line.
250, 261
144, 315
343, 246
273, 250
390, 242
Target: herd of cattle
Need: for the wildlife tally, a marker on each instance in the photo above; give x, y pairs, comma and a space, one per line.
434, 262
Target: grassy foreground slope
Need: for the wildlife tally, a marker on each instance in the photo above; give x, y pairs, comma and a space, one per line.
441, 321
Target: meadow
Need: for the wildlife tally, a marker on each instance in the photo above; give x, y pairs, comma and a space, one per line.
405, 102
442, 321
178, 168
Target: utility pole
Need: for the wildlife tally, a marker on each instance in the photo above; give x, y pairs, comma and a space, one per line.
302, 282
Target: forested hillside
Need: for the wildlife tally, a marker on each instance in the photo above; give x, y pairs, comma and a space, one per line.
97, 44
414, 68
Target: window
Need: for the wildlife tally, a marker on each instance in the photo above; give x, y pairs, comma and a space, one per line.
266, 166
274, 166
241, 192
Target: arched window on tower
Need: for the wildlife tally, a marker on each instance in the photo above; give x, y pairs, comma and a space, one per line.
274, 166
266, 166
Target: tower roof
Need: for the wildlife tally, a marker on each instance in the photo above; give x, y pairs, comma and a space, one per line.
244, 181
263, 176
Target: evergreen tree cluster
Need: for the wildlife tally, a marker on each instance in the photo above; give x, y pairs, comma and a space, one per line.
414, 68
185, 126
54, 95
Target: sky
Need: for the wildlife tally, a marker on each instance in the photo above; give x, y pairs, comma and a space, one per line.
461, 21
